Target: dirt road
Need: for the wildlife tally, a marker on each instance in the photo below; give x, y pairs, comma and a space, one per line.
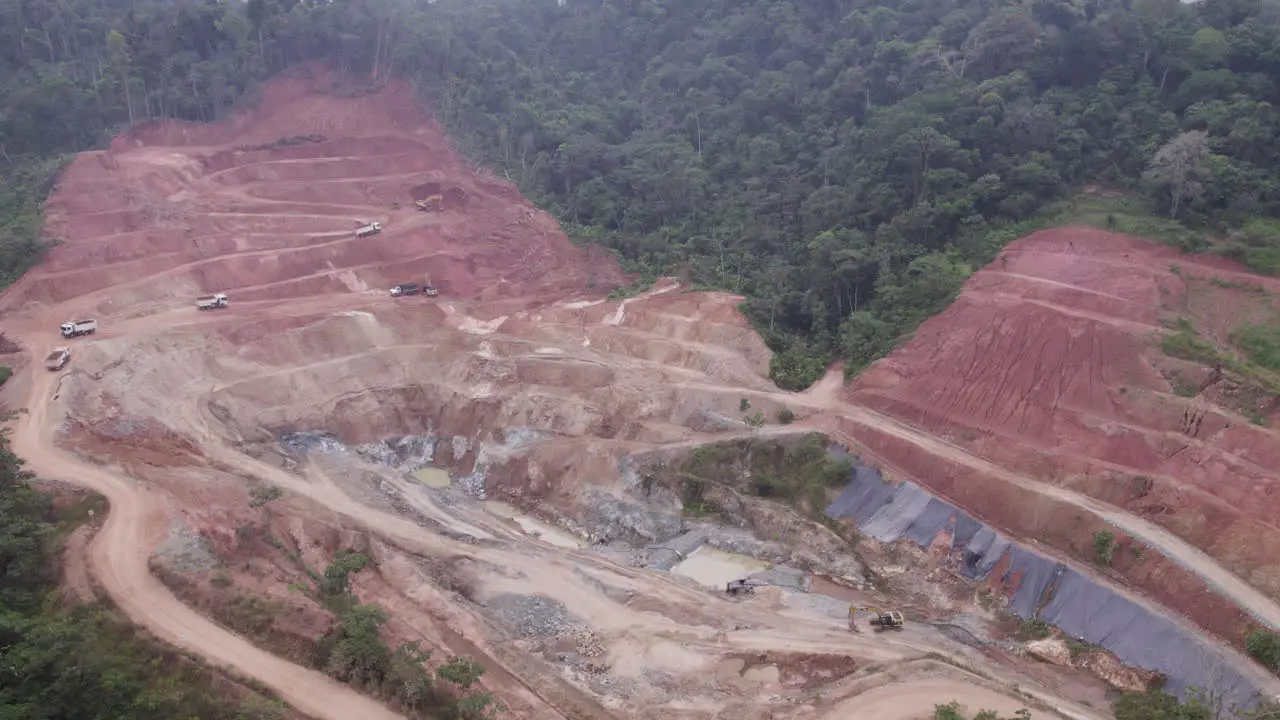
824, 396
290, 271
137, 522
917, 700
119, 555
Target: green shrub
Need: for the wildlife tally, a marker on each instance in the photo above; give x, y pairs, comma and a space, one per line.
1264, 646
337, 577
1033, 629
1104, 546
1186, 345
786, 416
1256, 245
1155, 704
1261, 343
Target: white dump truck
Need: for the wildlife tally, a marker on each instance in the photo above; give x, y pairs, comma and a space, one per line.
76, 328
399, 290
209, 302
372, 228
57, 359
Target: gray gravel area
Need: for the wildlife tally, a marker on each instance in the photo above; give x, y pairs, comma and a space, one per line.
530, 615
406, 454
614, 517
185, 550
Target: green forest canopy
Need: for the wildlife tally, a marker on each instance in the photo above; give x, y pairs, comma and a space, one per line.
843, 163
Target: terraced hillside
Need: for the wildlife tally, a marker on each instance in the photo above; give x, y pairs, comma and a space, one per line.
522, 381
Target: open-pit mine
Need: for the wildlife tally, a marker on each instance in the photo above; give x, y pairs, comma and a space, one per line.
559, 485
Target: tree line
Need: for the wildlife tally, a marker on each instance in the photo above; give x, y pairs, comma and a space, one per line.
845, 164
84, 662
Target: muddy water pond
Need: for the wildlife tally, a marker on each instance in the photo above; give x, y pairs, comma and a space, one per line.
714, 568
432, 477
533, 526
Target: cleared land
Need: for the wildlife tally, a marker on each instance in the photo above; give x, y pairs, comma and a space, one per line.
532, 388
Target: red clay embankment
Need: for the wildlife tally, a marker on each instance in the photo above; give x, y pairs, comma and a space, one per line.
1049, 365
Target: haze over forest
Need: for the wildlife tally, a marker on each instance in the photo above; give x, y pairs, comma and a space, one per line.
844, 164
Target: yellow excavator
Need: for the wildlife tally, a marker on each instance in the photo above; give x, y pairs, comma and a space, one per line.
434, 203
428, 288
880, 619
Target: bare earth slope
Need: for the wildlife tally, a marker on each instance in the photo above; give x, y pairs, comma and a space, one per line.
520, 379
536, 388
1049, 366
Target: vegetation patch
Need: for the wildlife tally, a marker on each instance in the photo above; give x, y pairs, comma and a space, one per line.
1256, 245
1185, 344
354, 652
1155, 704
1104, 547
86, 661
843, 175
1264, 646
1255, 382
801, 473
953, 711
1131, 214
1033, 629
1259, 343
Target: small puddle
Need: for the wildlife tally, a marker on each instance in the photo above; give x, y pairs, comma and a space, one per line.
715, 568
432, 477
534, 527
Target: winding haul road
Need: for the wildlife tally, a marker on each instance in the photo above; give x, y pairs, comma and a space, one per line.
120, 554
137, 521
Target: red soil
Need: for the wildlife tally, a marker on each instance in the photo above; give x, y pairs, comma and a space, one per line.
173, 210
1049, 364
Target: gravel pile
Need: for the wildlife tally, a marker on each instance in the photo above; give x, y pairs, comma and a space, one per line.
819, 604
406, 454
472, 484
614, 517
298, 444
531, 615
782, 576
184, 550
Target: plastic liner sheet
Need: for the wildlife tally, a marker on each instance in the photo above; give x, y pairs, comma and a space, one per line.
1143, 639
983, 553
1035, 577
926, 526
1059, 595
866, 493
891, 521
965, 528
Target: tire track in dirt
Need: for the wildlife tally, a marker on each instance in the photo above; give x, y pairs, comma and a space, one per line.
137, 592
123, 548
120, 553
1255, 602
1190, 557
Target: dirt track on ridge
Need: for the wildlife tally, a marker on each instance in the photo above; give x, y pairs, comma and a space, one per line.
120, 553
311, 328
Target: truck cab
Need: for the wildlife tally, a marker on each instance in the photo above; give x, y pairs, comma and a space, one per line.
209, 302
57, 359
76, 328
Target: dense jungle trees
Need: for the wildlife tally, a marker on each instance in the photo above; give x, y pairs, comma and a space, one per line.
845, 164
